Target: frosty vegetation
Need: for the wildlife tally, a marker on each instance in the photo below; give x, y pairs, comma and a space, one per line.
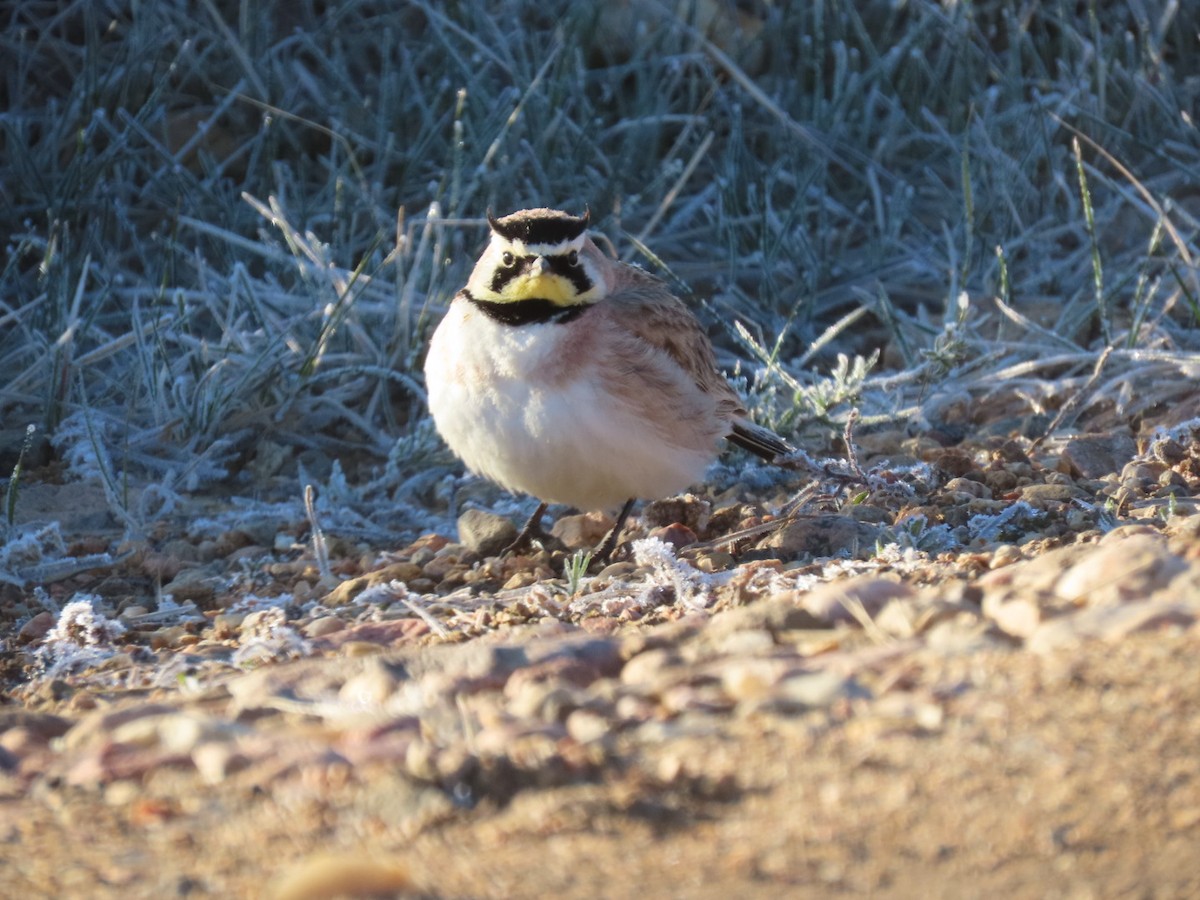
228, 240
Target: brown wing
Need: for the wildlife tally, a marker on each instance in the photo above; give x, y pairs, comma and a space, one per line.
654, 315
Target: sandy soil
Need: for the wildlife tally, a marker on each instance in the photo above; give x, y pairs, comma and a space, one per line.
1012, 721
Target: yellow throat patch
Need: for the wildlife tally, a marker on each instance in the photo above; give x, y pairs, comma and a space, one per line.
555, 288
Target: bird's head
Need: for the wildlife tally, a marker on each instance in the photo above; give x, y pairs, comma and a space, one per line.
539, 254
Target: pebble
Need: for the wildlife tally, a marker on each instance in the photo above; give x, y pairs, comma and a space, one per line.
711, 561
1006, 554
1120, 568
816, 689
168, 637
323, 626
1112, 623
779, 612
833, 601
583, 531
346, 875
485, 533
822, 536
197, 585
217, 760
1019, 617
343, 593
745, 642
968, 487
36, 628
1042, 494
100, 724
1096, 455
371, 687
752, 679
227, 624
649, 666
587, 726
372, 635
676, 535
688, 510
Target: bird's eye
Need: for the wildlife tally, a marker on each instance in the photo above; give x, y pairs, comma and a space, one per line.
572, 258
508, 259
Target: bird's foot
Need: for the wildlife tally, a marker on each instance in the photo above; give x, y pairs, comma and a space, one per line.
532, 533
604, 550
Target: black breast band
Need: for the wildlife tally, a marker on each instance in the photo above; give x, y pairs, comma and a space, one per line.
527, 312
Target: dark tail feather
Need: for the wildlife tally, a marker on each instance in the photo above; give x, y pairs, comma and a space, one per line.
759, 441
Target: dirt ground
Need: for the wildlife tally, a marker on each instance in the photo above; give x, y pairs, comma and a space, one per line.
1016, 721
1070, 776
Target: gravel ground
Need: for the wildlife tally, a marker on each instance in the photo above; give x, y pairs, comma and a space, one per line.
963, 671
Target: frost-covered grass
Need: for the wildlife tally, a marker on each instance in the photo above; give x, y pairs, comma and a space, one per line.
230, 227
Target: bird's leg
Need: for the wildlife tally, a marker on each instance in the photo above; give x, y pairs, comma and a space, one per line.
529, 533
609, 544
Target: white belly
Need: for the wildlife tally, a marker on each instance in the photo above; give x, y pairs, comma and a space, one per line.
571, 443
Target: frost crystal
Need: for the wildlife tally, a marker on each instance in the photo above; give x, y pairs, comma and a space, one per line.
269, 639
693, 589
81, 624
82, 636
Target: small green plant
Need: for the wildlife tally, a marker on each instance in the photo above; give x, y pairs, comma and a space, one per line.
14, 483
1170, 510
575, 570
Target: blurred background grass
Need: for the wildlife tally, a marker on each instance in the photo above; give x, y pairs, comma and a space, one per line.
229, 226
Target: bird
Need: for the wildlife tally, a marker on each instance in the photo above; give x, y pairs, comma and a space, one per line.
565, 374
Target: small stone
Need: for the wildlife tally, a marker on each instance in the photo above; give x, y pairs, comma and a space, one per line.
839, 601
405, 572
1118, 570
1111, 623
36, 628
122, 792
776, 613
587, 726
226, 625
816, 689
1005, 554
687, 510
584, 531
1097, 455
485, 533
745, 642
822, 536
323, 626
617, 570
197, 585
346, 875
217, 760
966, 486
519, 580
648, 666
168, 637
751, 679
1019, 617
370, 688
676, 535
250, 553
712, 561
1041, 494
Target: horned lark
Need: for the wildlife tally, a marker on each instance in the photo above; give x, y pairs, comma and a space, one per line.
564, 374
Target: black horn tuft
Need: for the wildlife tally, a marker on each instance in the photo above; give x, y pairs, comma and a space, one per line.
540, 226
